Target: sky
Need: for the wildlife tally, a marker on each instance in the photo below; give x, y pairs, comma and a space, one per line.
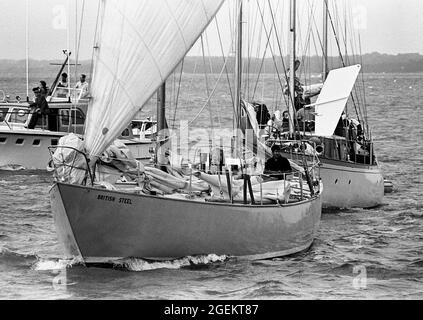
386, 26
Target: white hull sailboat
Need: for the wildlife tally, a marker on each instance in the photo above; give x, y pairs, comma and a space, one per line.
349, 168
102, 222
349, 185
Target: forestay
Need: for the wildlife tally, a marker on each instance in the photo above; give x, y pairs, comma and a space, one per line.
140, 43
333, 98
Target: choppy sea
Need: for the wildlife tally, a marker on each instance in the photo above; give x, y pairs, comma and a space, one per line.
358, 254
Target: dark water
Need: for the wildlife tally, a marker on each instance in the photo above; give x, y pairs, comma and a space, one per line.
358, 254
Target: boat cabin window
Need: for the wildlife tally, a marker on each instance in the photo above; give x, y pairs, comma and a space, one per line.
148, 125
126, 133
18, 115
54, 142
76, 116
36, 142
3, 114
20, 141
3, 140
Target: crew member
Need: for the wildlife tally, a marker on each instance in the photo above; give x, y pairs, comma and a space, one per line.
277, 166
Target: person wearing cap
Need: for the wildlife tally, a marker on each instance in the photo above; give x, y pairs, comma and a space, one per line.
38, 107
277, 166
82, 85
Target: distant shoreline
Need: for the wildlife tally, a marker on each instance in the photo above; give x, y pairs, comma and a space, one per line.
372, 63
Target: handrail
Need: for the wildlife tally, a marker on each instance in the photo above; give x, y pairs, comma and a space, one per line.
52, 150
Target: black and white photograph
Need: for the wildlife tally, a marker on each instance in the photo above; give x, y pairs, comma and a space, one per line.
211, 150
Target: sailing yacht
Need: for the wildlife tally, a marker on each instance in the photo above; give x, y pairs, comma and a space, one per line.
164, 212
349, 168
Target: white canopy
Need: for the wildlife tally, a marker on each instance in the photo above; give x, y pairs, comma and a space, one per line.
140, 43
333, 98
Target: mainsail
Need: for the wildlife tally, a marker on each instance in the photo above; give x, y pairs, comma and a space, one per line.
140, 43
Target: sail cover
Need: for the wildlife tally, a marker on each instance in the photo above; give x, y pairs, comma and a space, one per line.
333, 98
140, 43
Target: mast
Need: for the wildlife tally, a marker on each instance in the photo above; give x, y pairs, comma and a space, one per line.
27, 49
68, 46
161, 123
325, 40
238, 73
293, 34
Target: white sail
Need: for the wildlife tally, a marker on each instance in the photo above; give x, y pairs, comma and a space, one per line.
333, 98
141, 42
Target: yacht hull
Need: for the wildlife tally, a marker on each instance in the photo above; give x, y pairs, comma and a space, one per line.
349, 185
26, 148
102, 226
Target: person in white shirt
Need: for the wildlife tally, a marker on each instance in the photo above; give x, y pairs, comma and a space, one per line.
62, 87
83, 86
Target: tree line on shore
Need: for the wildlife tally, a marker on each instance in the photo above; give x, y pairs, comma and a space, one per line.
372, 63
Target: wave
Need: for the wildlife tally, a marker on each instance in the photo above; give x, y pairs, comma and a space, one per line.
11, 167
8, 256
55, 264
134, 264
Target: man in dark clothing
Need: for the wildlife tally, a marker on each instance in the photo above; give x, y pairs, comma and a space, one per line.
277, 166
39, 107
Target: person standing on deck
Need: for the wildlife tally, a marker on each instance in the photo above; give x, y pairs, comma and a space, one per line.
299, 101
43, 88
38, 108
83, 86
62, 86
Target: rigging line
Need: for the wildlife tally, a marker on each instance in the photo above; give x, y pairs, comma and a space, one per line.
258, 48
306, 51
80, 36
318, 34
98, 25
260, 37
357, 92
262, 61
177, 94
207, 83
262, 64
364, 88
270, 46
224, 57
202, 108
358, 98
291, 94
342, 60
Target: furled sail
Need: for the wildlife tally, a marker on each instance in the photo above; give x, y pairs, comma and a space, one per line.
332, 100
140, 43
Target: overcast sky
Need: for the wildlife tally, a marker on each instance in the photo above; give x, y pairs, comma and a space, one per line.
386, 26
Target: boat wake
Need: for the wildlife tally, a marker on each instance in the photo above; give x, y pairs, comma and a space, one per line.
189, 261
55, 264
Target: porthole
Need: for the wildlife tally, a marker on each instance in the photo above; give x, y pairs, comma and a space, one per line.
3, 140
